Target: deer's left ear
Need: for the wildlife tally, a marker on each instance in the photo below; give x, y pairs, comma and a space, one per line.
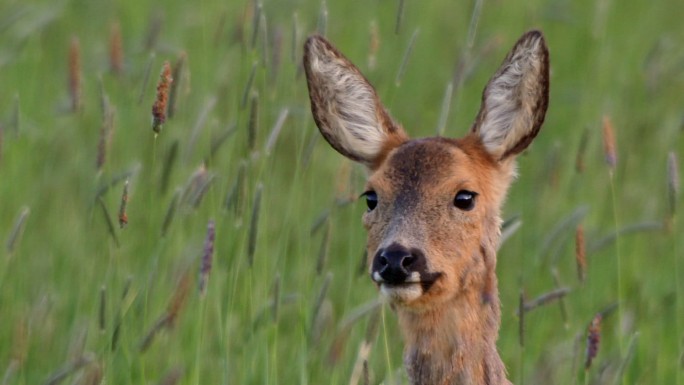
514, 101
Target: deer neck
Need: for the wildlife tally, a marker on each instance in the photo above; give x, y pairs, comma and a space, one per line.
455, 342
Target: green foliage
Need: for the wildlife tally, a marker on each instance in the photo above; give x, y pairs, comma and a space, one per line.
288, 300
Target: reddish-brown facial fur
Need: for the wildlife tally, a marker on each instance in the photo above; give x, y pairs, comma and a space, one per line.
434, 205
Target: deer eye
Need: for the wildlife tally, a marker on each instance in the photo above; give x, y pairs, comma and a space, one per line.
371, 199
465, 200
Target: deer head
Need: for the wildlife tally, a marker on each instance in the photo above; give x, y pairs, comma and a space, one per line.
433, 215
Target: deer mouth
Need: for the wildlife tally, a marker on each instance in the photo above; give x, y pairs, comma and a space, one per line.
415, 280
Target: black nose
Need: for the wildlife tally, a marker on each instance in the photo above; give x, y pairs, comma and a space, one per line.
394, 264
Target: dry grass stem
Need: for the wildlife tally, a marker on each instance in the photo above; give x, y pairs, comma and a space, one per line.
609, 143
444, 113
275, 131
75, 74
159, 108
17, 230
207, 256
405, 59
116, 55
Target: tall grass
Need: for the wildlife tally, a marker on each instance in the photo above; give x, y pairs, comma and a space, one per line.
80, 296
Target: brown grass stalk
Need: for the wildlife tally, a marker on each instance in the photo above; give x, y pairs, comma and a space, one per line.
173, 309
159, 108
116, 54
581, 151
609, 143
75, 75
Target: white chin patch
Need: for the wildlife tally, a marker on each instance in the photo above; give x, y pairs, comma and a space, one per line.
400, 294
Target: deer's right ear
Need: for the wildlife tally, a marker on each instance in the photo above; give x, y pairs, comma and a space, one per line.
346, 107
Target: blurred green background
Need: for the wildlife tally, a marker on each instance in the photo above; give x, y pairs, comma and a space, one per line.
288, 300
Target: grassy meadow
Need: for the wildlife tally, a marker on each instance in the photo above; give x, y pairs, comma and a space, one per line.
286, 297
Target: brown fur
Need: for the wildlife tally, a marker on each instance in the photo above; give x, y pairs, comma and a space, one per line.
450, 326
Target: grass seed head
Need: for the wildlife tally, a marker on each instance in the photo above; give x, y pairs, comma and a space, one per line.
593, 339
580, 254
123, 216
207, 255
159, 108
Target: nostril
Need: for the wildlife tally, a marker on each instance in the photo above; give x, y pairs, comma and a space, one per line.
383, 261
408, 261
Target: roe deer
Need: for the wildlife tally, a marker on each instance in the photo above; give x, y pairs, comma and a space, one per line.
434, 204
